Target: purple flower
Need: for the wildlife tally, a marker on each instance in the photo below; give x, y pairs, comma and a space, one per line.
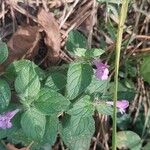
6, 118
121, 105
102, 70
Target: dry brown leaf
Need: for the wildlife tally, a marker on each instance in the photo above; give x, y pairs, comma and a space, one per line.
23, 43
12, 147
53, 37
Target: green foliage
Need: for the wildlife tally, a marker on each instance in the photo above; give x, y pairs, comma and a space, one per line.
33, 124
51, 129
51, 102
77, 132
5, 94
14, 69
27, 84
83, 107
97, 86
104, 109
145, 69
77, 129
78, 78
56, 81
3, 52
88, 53
128, 139
75, 40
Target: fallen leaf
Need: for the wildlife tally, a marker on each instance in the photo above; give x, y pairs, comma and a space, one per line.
52, 38
24, 43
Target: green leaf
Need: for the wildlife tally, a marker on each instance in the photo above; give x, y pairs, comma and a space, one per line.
79, 127
146, 147
75, 40
78, 78
77, 132
19, 137
27, 84
84, 107
56, 81
88, 53
3, 52
128, 139
97, 86
5, 94
33, 124
51, 102
145, 69
104, 108
51, 129
14, 69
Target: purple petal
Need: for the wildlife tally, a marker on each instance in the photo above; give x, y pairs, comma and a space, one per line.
6, 118
121, 105
102, 70
12, 113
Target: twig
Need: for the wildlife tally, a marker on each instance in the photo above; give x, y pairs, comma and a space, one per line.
68, 14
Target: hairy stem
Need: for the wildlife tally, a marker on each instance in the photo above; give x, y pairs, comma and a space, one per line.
123, 14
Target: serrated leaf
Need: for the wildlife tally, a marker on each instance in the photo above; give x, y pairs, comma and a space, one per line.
3, 52
5, 94
51, 129
75, 40
78, 78
56, 81
27, 84
84, 107
97, 86
145, 69
20, 137
14, 68
33, 124
77, 132
128, 139
104, 108
51, 102
88, 53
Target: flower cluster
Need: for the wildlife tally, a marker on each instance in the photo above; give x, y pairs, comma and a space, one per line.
5, 119
121, 105
102, 70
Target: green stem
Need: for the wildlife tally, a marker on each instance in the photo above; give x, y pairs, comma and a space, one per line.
123, 14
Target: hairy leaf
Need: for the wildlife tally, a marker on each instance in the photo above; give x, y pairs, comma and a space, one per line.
51, 102
5, 94
77, 132
33, 124
56, 81
3, 52
128, 139
78, 78
75, 40
27, 84
51, 129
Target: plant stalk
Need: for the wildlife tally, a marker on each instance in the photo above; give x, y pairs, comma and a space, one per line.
123, 14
